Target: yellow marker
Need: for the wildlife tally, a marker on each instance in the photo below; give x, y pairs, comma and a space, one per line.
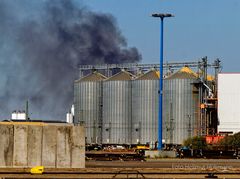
142, 147
37, 170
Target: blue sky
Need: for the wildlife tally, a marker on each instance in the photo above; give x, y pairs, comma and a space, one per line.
200, 28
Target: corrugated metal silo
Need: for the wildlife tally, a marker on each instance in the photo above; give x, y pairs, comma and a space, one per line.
117, 109
179, 106
88, 104
145, 108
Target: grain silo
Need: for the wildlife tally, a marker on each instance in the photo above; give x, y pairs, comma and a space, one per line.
180, 101
88, 104
117, 108
145, 108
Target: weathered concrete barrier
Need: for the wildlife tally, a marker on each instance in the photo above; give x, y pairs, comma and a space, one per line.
34, 145
6, 145
49, 146
53, 146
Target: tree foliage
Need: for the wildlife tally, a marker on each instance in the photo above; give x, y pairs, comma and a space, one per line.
231, 141
196, 142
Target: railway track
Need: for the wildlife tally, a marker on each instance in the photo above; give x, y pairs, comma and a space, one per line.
125, 174
164, 168
168, 163
120, 173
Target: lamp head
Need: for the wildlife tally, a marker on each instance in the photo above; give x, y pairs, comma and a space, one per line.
162, 15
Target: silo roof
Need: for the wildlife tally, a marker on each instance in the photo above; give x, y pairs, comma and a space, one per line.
210, 78
121, 76
150, 75
183, 73
95, 76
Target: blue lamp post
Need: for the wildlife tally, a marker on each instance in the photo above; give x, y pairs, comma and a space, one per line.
161, 16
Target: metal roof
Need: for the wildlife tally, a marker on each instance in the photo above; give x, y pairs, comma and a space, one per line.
121, 76
150, 75
184, 73
95, 76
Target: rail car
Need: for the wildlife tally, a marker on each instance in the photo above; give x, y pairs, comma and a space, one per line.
137, 155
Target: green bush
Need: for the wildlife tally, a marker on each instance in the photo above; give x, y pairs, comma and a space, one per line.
196, 142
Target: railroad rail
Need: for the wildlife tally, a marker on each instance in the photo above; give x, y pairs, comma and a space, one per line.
120, 173
115, 155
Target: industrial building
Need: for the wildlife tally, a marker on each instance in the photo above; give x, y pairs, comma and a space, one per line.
88, 105
118, 103
145, 107
229, 102
117, 109
180, 106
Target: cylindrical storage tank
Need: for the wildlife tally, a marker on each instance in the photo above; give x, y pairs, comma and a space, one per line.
88, 105
145, 106
117, 109
180, 101
69, 118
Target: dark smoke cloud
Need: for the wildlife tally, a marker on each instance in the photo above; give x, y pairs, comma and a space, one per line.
41, 45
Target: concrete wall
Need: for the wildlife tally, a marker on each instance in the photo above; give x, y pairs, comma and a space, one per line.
52, 146
20, 144
6, 145
49, 146
78, 150
34, 145
64, 147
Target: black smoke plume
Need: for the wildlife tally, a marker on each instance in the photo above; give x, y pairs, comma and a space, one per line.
41, 45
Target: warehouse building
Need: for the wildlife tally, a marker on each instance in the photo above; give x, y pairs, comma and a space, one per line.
229, 102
